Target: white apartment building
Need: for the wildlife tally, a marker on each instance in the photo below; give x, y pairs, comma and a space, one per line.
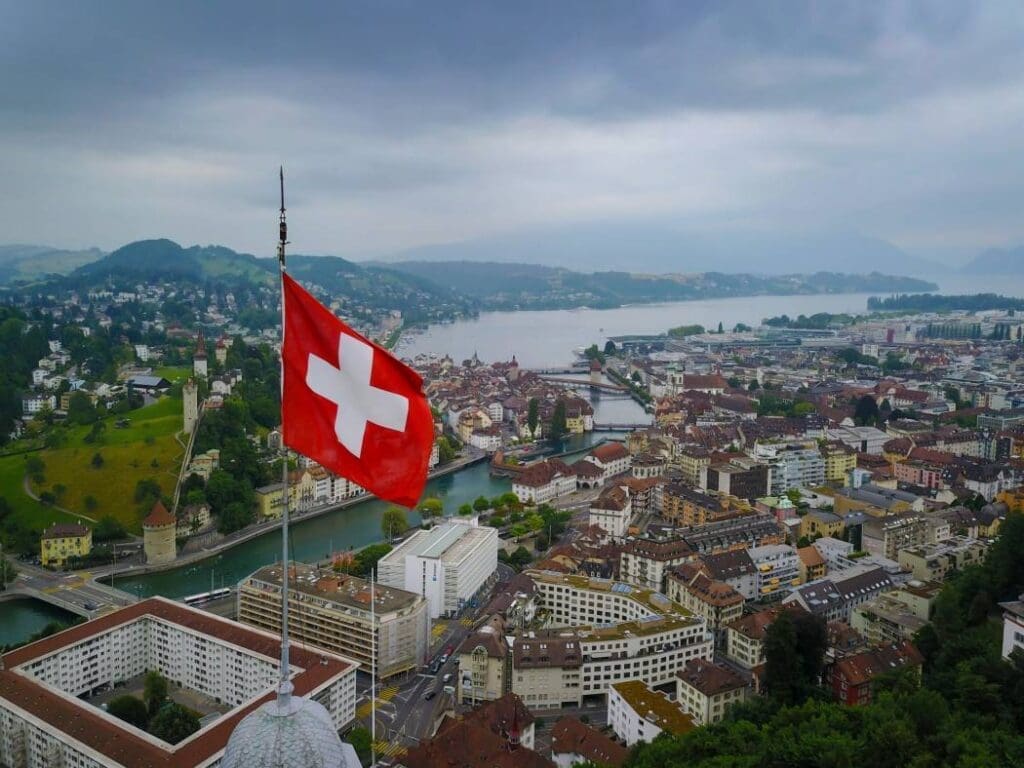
705, 690
646, 562
612, 511
46, 718
447, 565
33, 404
793, 466
638, 714
1013, 627
777, 568
332, 611
625, 632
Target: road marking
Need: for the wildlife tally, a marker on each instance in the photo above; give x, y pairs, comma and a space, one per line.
389, 749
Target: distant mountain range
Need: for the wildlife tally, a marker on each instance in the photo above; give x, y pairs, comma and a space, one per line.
660, 249
31, 262
997, 261
499, 285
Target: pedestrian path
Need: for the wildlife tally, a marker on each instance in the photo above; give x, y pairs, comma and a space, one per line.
389, 749
384, 696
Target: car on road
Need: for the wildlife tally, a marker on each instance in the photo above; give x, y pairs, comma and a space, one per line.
90, 606
435, 667
444, 658
447, 678
429, 695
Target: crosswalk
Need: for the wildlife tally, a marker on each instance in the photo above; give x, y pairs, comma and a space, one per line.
467, 622
389, 749
384, 695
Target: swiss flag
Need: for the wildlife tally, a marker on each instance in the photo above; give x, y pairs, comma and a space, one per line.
348, 404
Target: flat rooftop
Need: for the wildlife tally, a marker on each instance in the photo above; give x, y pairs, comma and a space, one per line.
448, 541
121, 744
345, 591
654, 707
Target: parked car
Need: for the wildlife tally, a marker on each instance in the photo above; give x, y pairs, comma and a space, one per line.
429, 695
447, 678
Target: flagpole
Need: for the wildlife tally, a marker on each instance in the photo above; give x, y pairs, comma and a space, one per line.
373, 672
284, 690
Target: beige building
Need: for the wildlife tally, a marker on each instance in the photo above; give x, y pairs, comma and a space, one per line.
705, 690
885, 619
158, 535
332, 611
62, 541
935, 562
485, 664
645, 562
744, 638
547, 669
716, 601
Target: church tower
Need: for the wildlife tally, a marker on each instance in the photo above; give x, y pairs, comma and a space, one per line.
199, 361
190, 398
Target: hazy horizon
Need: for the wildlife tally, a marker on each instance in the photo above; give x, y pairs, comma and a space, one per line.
644, 137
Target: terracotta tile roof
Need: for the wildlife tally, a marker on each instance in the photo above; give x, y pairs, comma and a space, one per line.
709, 678
159, 517
570, 736
609, 452
864, 667
467, 744
810, 556
102, 733
64, 531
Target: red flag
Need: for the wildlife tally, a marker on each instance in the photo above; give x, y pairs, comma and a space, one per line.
348, 404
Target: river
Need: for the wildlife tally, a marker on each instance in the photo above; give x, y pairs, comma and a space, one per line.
314, 539
22, 618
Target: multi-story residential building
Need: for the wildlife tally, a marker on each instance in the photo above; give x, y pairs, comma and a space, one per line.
705, 690
777, 567
638, 714
741, 532
886, 619
447, 564
45, 686
612, 511
716, 601
886, 536
685, 506
33, 404
646, 562
812, 564
840, 460
62, 541
852, 678
860, 439
625, 632
934, 562
819, 522
485, 664
547, 669
834, 597
611, 458
332, 611
744, 638
792, 466
733, 567
745, 478
922, 474
692, 460
543, 481
1013, 627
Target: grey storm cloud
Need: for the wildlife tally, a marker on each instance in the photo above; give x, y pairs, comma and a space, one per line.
409, 124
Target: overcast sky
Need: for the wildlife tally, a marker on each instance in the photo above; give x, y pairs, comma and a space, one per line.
408, 124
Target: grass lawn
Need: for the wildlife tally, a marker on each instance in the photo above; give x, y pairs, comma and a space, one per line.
174, 373
146, 448
28, 512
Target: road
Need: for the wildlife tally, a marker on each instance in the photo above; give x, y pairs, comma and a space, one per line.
75, 592
404, 715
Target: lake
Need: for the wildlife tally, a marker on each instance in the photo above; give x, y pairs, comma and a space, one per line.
545, 339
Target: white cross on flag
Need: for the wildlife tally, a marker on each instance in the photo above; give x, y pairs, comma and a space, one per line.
351, 406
